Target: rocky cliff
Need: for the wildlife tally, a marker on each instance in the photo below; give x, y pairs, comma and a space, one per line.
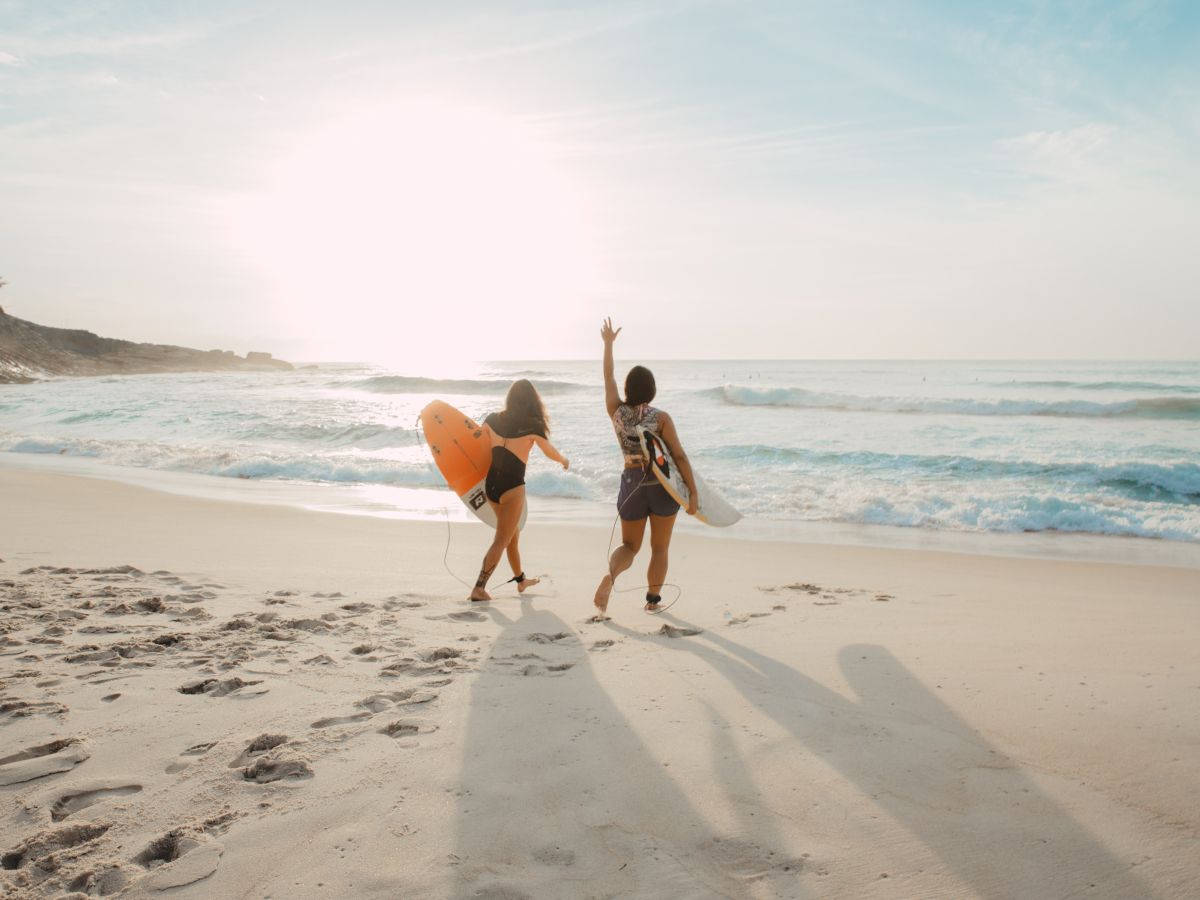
29, 352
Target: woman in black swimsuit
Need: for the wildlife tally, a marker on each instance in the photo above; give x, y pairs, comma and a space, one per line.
513, 432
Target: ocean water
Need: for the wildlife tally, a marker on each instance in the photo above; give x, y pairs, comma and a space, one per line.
1001, 447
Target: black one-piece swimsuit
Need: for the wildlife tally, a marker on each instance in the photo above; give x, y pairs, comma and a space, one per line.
506, 471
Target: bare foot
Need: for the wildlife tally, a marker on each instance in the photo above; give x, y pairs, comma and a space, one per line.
654, 607
603, 591
523, 586
479, 595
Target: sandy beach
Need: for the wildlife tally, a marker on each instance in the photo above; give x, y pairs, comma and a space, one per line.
221, 699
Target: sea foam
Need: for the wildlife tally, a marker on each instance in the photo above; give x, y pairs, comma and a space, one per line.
802, 398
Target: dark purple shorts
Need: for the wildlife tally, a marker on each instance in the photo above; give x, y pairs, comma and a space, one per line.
641, 495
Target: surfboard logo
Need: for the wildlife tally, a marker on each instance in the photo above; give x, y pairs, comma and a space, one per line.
655, 453
476, 499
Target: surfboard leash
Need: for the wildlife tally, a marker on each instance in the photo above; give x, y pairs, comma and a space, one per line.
612, 533
446, 515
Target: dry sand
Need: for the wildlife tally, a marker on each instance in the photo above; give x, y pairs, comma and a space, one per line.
227, 700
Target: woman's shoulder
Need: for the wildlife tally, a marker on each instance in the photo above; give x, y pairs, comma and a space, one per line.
643, 414
510, 430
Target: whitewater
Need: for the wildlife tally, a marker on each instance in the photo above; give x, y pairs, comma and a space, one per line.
997, 447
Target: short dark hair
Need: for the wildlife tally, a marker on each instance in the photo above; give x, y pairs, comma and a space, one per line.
639, 386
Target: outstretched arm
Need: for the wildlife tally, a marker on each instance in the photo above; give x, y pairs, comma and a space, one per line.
671, 437
611, 398
551, 452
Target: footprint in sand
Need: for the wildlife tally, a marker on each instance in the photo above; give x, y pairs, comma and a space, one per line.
436, 654
37, 850
602, 645
178, 858
376, 703
257, 747
672, 632
215, 687
273, 767
412, 697
71, 803
184, 761
340, 720
407, 728
435, 660
467, 615
556, 669
45, 759
104, 883
539, 638
12, 708
508, 660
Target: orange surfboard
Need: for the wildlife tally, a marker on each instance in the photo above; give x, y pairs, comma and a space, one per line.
463, 455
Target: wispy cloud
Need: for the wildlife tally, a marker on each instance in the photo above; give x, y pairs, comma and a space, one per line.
1069, 145
555, 37
9, 59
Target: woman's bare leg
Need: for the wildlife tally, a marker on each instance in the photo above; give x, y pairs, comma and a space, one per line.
621, 559
514, 560
508, 514
660, 540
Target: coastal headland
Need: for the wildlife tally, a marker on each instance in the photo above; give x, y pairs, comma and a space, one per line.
29, 352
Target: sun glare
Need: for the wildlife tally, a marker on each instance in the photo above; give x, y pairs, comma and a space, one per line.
419, 232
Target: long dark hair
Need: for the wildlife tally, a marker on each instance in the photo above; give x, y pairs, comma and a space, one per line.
639, 386
523, 408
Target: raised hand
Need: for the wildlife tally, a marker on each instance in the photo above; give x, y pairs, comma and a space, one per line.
607, 334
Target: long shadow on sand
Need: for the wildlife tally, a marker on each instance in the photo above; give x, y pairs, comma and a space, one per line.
559, 796
975, 809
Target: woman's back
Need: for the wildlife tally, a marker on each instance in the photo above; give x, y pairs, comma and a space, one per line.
625, 420
517, 437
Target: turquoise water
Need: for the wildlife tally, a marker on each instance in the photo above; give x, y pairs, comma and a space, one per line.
1100, 448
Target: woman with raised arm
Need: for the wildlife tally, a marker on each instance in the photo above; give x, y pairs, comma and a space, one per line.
513, 432
641, 496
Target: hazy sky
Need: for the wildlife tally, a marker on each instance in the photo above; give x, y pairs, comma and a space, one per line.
486, 180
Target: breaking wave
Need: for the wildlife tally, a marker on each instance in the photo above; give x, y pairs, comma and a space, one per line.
1177, 482
1151, 386
800, 398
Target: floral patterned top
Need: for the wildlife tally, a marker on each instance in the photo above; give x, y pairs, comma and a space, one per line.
625, 421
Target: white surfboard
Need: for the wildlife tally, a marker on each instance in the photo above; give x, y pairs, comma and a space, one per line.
713, 509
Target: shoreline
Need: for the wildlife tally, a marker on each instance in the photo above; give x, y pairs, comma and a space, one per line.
308, 702
439, 506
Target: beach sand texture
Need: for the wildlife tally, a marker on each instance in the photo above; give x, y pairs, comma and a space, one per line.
207, 699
